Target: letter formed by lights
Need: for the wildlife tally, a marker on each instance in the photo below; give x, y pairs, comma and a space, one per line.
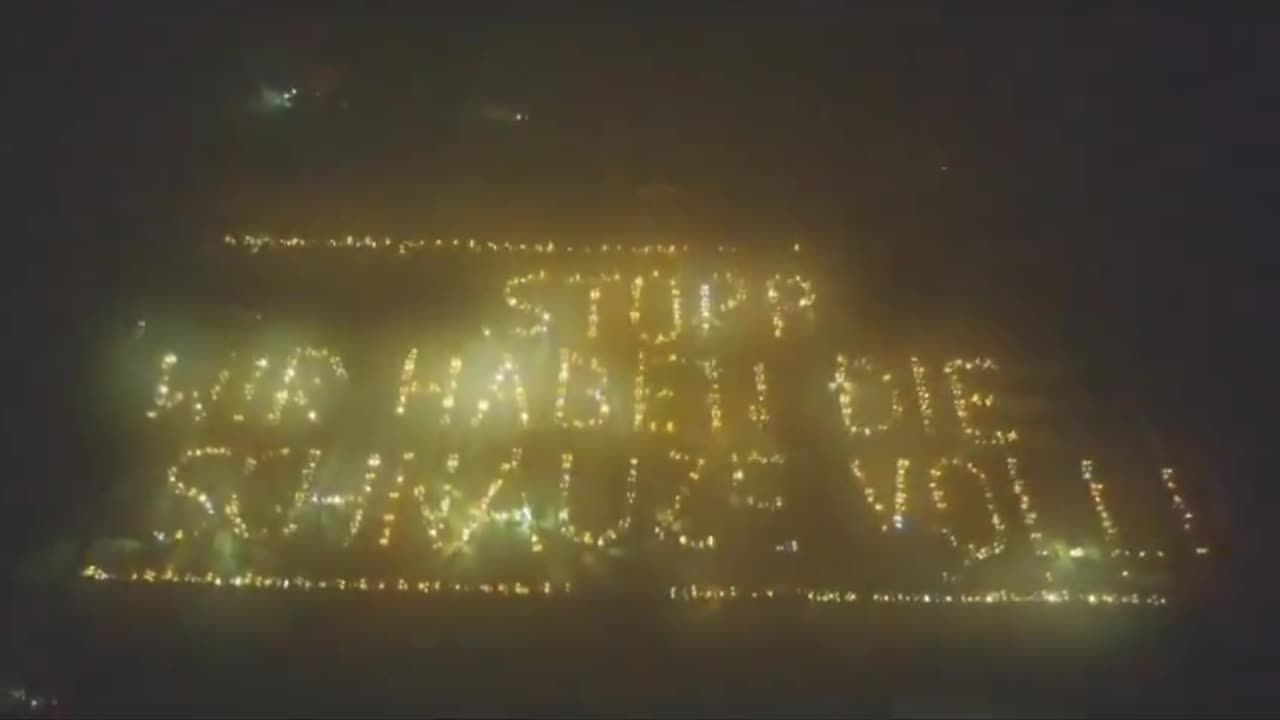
974, 551
1025, 508
646, 397
595, 286
454, 524
733, 290
506, 386
920, 375
637, 295
536, 318
740, 496
564, 517
1182, 513
410, 387
846, 390
966, 401
1096, 494
712, 371
780, 306
894, 516
336, 497
671, 521
597, 390
638, 285
758, 410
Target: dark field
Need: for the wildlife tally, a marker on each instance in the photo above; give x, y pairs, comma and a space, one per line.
1080, 195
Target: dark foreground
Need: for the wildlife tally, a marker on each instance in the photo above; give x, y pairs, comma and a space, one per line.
112, 650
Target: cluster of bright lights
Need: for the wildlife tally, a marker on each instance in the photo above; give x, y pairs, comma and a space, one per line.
1025, 509
597, 391
298, 396
165, 397
737, 291
1185, 517
844, 387
887, 518
593, 313
965, 401
361, 499
712, 371
758, 411
669, 519
1109, 530
585, 537
639, 396
637, 293
677, 315
303, 494
451, 393
780, 306
975, 552
453, 523
593, 298
922, 393
704, 307
408, 383
257, 243
31, 701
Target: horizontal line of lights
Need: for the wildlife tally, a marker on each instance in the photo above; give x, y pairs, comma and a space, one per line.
675, 592
257, 243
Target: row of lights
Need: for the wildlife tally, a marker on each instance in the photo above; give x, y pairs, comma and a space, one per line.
251, 580
691, 592
257, 243
668, 519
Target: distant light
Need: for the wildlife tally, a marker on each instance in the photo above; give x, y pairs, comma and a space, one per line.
1076, 552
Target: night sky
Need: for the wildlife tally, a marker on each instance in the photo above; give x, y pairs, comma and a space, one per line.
1088, 178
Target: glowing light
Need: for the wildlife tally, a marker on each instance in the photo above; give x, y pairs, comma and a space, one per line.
922, 394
